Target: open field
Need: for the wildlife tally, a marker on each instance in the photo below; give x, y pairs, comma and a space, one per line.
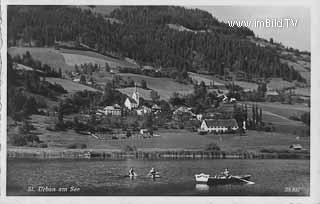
303, 67
78, 57
145, 94
67, 58
164, 86
284, 110
278, 114
48, 56
169, 139
278, 84
183, 139
69, 85
303, 91
207, 79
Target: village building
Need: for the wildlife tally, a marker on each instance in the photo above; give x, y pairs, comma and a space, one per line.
133, 102
241, 76
183, 113
156, 109
219, 125
295, 147
112, 110
272, 96
144, 110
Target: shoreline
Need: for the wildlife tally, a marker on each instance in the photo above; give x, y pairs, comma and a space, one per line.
161, 154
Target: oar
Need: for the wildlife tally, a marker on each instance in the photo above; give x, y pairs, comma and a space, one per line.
248, 182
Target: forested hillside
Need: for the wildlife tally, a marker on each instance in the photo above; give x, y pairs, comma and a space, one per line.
144, 35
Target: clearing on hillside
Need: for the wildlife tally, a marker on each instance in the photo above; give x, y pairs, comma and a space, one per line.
70, 86
78, 57
48, 56
164, 86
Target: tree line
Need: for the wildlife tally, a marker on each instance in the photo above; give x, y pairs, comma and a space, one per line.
145, 37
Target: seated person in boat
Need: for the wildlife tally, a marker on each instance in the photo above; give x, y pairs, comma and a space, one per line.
131, 172
226, 172
152, 172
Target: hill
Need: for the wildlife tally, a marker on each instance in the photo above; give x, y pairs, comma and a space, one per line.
66, 59
144, 35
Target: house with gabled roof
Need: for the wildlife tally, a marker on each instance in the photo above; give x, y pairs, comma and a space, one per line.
219, 125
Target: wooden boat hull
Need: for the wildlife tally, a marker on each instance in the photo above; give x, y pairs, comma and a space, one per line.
222, 180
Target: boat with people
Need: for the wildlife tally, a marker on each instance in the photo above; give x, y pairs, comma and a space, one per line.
152, 173
223, 178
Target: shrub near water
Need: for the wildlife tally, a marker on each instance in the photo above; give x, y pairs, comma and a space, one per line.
212, 147
77, 146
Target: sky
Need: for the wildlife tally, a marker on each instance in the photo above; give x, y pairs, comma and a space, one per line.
296, 37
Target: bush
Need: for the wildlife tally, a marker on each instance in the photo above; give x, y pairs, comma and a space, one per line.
24, 139
129, 148
77, 146
294, 118
43, 145
212, 147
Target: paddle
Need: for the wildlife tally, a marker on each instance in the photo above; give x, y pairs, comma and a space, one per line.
248, 182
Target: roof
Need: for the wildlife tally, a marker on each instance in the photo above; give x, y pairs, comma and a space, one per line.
272, 93
131, 100
221, 123
296, 146
183, 110
111, 108
155, 106
147, 67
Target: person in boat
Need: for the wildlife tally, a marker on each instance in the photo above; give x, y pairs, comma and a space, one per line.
226, 172
132, 172
152, 172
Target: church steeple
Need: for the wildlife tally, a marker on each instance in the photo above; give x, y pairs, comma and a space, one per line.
135, 94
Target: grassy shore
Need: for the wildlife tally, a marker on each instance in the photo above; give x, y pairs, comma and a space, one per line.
167, 139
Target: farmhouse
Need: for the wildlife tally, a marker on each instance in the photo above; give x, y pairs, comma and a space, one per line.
219, 125
156, 109
272, 96
183, 113
143, 110
295, 147
112, 110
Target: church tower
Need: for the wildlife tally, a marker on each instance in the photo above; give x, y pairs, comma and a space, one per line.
135, 95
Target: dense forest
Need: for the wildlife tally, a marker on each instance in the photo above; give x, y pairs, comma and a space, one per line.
144, 35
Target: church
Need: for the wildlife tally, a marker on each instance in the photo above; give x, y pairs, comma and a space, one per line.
133, 102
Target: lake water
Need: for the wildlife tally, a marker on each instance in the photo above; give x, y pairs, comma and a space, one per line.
271, 177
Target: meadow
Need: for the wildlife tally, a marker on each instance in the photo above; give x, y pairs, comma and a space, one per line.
48, 56
164, 86
69, 85
166, 139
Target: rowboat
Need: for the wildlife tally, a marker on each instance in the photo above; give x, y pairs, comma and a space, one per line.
202, 178
134, 175
156, 175
222, 180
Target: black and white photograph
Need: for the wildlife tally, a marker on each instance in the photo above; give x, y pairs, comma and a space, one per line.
158, 100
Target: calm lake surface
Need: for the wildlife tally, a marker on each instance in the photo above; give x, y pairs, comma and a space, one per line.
271, 177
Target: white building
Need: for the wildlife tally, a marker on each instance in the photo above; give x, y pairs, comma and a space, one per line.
143, 110
133, 102
112, 110
219, 125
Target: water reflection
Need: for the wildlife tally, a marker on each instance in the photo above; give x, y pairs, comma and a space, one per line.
202, 187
